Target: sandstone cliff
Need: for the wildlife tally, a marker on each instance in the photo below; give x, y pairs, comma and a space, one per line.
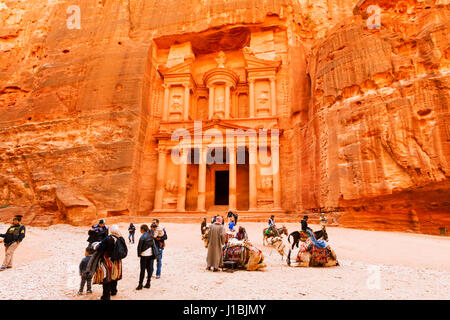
366, 139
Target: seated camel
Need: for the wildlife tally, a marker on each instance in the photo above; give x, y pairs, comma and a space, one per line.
298, 236
279, 232
310, 255
278, 244
245, 254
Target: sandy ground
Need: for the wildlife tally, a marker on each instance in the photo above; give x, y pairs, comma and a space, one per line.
374, 265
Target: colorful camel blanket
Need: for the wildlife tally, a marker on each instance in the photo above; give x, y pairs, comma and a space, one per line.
318, 255
234, 254
237, 250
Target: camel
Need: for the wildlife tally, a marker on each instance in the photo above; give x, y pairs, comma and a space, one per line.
298, 236
310, 256
205, 236
278, 244
280, 232
252, 258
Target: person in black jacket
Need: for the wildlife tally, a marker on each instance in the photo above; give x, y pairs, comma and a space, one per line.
98, 232
85, 276
304, 223
160, 237
12, 238
146, 251
131, 231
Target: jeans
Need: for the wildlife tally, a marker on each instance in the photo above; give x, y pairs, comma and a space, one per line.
146, 265
158, 262
87, 280
131, 235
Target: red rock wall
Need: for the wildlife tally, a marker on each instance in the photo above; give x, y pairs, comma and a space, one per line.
379, 122
366, 129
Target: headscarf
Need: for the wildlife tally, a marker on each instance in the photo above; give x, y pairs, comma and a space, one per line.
317, 243
218, 220
115, 230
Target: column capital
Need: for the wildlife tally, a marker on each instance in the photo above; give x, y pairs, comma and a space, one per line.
162, 150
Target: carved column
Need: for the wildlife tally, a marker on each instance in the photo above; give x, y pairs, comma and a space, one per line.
232, 187
182, 172
252, 97
253, 151
165, 111
187, 97
201, 200
160, 179
227, 102
275, 156
211, 102
273, 96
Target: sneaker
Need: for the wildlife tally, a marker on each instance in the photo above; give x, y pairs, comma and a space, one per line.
80, 293
147, 285
215, 270
89, 291
139, 287
2, 268
157, 277
208, 268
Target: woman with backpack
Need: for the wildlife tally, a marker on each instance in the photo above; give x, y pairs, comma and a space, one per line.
147, 252
108, 270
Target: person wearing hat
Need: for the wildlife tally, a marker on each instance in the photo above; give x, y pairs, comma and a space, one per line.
304, 223
98, 232
13, 236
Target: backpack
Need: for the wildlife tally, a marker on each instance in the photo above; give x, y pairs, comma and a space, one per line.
120, 250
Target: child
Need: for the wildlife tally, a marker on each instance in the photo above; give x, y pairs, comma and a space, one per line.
131, 231
85, 277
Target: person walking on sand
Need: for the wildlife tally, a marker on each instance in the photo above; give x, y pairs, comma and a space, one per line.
131, 231
160, 235
146, 251
12, 238
112, 250
86, 277
98, 232
216, 240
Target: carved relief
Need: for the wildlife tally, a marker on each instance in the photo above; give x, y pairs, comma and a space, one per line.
221, 59
171, 186
219, 106
265, 184
262, 98
176, 105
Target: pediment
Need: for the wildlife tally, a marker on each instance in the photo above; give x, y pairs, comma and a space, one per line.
181, 68
253, 62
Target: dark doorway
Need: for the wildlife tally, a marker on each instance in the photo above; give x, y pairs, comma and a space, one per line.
221, 188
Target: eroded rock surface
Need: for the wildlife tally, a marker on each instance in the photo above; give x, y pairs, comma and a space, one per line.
365, 112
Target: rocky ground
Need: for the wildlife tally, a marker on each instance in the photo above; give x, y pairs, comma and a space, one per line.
374, 265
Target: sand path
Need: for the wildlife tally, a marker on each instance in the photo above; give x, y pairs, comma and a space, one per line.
374, 265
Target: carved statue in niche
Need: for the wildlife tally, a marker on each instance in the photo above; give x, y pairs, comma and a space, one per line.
221, 60
176, 107
265, 184
263, 103
219, 110
171, 186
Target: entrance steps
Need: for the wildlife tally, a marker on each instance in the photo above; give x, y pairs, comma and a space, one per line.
197, 217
